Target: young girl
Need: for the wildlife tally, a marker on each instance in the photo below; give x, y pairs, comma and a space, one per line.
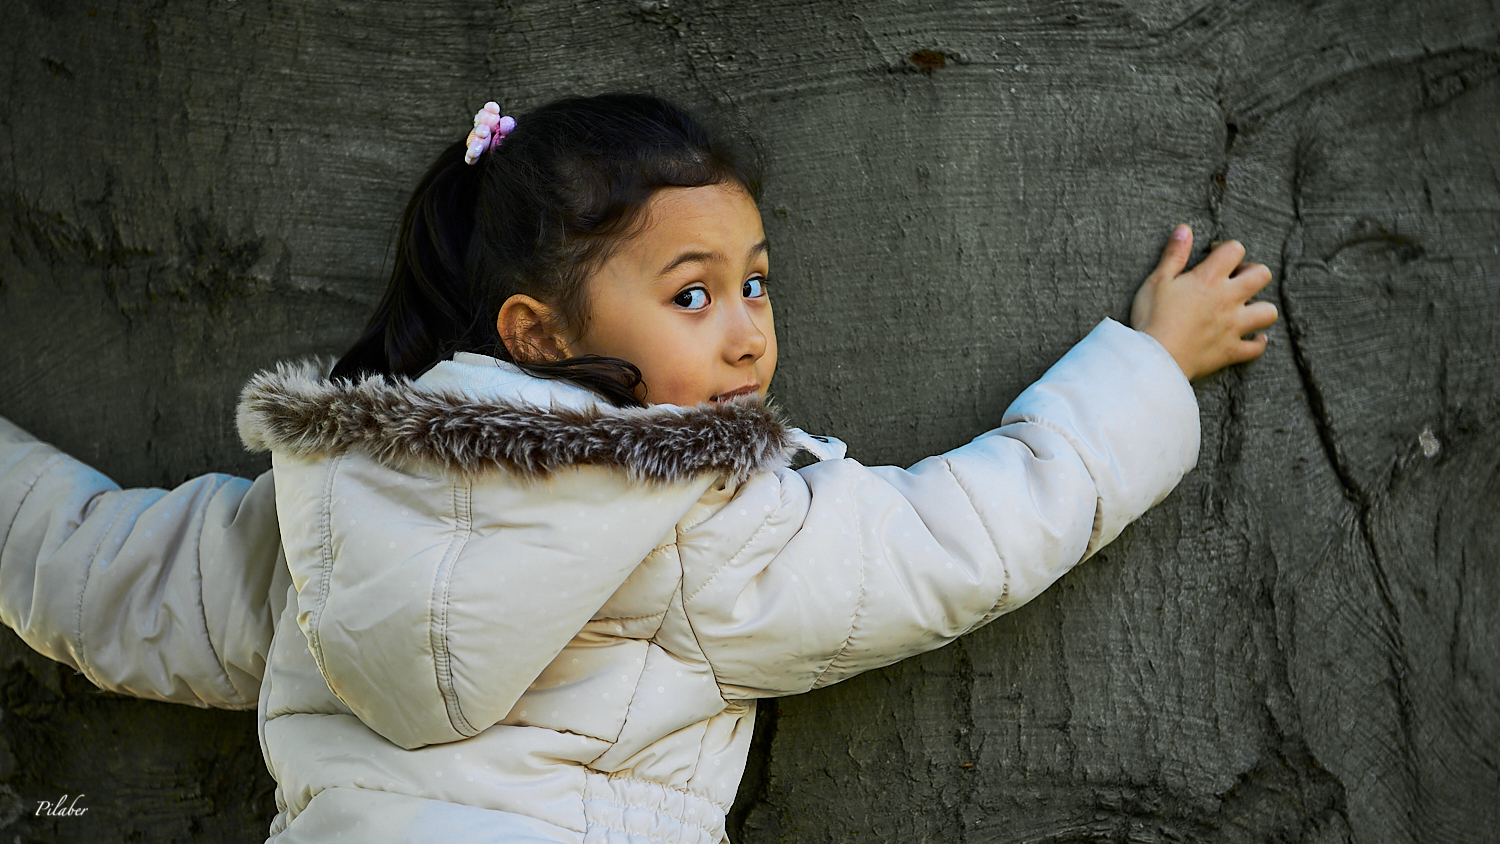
530, 554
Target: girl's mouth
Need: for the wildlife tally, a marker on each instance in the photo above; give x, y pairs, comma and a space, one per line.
742, 391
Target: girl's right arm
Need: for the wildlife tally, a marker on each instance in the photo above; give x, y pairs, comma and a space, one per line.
162, 594
840, 568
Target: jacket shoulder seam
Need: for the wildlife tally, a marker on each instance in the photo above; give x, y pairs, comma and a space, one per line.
30, 486
764, 523
325, 569
442, 660
83, 590
859, 544
979, 519
203, 610
687, 617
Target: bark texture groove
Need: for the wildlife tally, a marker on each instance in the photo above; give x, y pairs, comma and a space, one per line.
1302, 644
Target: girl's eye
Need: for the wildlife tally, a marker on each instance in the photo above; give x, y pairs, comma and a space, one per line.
694, 299
754, 288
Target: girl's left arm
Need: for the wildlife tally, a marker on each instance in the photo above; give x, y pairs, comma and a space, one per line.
162, 594
839, 568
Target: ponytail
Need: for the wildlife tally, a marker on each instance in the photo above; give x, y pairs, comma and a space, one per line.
429, 310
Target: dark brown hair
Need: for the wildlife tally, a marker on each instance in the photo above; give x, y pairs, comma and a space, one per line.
536, 216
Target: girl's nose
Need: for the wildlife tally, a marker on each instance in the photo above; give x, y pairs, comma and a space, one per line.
746, 341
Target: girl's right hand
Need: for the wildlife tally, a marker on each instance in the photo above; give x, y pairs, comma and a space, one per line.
1202, 316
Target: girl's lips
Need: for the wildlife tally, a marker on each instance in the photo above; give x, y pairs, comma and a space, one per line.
743, 391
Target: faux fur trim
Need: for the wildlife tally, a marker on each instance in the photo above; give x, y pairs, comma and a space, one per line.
293, 409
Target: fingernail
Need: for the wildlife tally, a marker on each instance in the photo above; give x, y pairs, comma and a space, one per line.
1180, 233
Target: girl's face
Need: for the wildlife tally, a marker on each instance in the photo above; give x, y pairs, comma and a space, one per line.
686, 299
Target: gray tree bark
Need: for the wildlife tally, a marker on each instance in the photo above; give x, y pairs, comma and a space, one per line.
1302, 644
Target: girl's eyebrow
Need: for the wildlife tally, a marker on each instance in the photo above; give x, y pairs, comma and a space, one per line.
689, 257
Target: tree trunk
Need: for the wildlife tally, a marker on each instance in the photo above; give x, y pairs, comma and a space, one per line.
1301, 644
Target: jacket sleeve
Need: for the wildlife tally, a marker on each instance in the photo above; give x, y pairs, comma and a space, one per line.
163, 594
842, 568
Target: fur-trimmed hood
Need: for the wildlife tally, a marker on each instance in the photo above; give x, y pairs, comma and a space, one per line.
401, 424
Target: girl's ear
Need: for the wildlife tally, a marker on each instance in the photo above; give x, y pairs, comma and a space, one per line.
531, 331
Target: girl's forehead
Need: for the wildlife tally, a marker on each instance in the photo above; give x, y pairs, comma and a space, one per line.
711, 219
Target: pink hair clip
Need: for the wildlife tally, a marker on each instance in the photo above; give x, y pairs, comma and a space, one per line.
489, 130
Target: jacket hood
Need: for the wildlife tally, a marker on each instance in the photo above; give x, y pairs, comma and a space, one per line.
294, 409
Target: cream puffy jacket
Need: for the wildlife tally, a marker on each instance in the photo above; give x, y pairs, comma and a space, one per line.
485, 607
